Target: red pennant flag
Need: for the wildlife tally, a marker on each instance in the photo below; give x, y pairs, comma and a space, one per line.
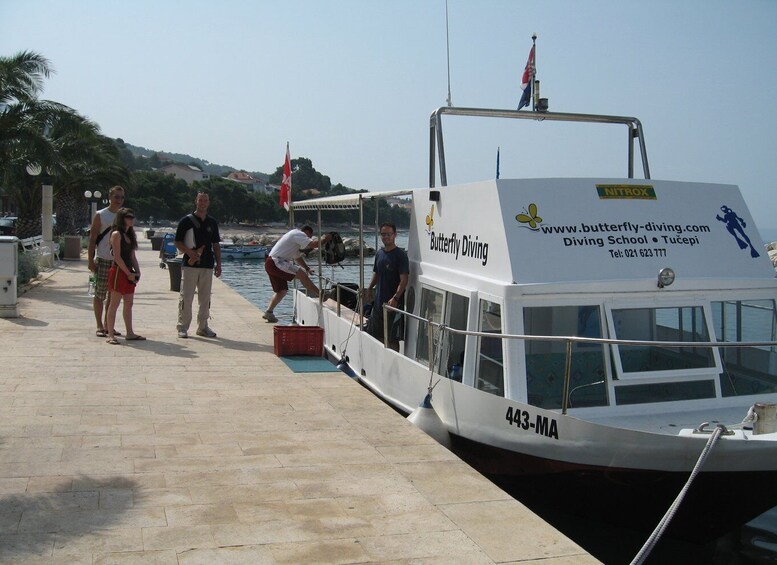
285, 200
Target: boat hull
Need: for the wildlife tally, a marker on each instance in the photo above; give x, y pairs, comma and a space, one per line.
605, 470
716, 503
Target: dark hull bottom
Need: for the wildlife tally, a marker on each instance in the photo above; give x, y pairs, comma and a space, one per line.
715, 504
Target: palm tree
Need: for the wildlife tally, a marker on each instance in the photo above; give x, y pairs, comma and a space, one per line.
86, 160
22, 115
49, 134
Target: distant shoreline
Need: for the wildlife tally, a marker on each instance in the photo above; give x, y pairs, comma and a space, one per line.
244, 231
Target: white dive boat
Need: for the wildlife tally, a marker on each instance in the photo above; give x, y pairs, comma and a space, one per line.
244, 251
609, 289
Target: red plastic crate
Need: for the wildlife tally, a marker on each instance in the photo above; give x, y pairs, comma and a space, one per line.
299, 340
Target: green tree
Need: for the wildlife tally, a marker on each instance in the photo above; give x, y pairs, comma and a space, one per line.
303, 177
160, 196
64, 144
23, 119
231, 202
128, 158
86, 160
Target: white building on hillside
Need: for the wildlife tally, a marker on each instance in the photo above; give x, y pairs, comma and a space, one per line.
189, 173
251, 183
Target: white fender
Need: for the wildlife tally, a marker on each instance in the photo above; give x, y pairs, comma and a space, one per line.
426, 419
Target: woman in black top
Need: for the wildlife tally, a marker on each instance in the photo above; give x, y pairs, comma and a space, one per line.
124, 273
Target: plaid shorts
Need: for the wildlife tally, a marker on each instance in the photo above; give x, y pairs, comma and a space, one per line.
101, 287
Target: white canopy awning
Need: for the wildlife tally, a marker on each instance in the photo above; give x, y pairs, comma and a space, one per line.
345, 201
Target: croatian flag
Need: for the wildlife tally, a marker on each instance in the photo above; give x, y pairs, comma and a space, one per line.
286, 182
528, 74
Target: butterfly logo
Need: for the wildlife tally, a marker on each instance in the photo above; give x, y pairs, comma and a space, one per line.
430, 220
530, 217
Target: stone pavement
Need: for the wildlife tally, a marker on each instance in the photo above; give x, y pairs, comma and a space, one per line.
212, 451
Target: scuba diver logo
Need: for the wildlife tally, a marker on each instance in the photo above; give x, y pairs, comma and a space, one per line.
530, 217
736, 227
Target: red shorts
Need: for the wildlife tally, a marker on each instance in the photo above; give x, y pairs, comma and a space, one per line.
118, 281
278, 279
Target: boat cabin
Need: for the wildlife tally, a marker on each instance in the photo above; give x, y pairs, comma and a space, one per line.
577, 266
592, 258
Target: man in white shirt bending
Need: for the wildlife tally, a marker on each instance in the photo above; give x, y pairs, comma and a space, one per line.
285, 263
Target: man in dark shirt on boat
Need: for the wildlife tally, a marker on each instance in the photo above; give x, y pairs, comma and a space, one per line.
390, 275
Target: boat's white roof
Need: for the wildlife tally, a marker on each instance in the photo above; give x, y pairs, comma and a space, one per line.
576, 230
345, 201
573, 230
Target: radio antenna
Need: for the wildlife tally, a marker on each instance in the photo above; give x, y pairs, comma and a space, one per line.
448, 50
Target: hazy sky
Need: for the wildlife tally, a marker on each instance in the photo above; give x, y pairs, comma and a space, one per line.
350, 84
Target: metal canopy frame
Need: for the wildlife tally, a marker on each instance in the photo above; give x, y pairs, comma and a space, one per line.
436, 144
347, 202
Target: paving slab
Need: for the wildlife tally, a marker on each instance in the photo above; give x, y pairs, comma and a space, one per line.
197, 450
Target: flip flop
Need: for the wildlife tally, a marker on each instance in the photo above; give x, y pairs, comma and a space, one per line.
135, 338
112, 341
116, 332
101, 333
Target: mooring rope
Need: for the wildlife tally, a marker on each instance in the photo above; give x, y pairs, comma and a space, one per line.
662, 525
436, 357
351, 330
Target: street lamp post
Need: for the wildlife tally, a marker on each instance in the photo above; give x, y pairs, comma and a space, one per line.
92, 197
47, 210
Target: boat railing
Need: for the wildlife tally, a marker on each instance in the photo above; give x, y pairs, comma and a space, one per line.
339, 288
436, 144
436, 334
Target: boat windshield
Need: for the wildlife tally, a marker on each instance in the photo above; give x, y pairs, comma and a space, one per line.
654, 373
747, 370
545, 360
685, 324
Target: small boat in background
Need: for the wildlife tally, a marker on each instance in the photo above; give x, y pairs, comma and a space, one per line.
244, 251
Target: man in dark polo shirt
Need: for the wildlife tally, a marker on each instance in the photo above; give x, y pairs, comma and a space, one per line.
197, 237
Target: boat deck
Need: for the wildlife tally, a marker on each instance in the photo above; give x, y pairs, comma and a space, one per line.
182, 451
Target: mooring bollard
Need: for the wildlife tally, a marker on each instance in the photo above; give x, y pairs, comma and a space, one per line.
766, 422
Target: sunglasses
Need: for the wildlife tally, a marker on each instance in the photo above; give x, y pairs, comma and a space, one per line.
129, 217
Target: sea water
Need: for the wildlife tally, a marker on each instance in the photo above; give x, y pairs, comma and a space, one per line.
250, 280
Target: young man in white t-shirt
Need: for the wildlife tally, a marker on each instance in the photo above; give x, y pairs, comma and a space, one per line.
285, 263
100, 258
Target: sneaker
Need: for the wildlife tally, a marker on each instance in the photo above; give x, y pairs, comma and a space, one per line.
183, 334
207, 332
270, 317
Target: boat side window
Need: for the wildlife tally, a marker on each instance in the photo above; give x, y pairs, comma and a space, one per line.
490, 369
430, 309
452, 358
450, 310
746, 370
546, 360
